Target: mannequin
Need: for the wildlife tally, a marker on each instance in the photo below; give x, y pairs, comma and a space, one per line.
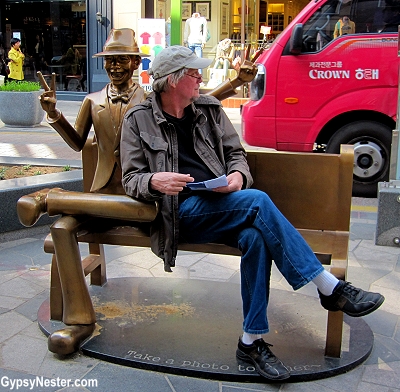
195, 34
224, 56
223, 61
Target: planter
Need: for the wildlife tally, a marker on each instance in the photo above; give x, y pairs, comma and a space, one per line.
20, 109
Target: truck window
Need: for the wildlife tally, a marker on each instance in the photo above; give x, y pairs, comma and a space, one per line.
343, 17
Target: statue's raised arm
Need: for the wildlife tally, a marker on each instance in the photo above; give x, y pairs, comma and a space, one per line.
226, 89
245, 74
48, 100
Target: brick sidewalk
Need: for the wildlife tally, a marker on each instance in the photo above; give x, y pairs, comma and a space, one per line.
41, 141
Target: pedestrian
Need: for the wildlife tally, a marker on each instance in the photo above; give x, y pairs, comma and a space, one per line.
4, 70
16, 60
178, 136
38, 52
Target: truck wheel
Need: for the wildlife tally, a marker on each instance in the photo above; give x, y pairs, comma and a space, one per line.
372, 142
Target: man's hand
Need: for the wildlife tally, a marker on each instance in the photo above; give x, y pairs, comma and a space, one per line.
169, 183
48, 99
235, 183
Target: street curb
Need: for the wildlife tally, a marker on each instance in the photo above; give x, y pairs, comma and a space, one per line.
16, 161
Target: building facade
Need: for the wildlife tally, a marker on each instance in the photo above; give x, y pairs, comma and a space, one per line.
61, 36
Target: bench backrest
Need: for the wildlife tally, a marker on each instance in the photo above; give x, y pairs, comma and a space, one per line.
313, 190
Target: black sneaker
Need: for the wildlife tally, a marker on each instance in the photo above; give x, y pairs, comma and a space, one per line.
351, 300
265, 362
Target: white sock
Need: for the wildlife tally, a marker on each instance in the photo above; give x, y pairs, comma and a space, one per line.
325, 282
249, 338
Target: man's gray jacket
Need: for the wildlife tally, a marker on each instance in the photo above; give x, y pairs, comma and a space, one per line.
149, 144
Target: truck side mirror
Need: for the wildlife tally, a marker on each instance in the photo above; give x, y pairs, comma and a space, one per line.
296, 39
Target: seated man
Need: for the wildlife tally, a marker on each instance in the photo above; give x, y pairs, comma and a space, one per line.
178, 136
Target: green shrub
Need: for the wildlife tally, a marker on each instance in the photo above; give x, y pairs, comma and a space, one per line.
23, 86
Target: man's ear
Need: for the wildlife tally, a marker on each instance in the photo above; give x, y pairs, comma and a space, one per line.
171, 84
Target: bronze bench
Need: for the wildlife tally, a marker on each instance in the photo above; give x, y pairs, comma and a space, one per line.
312, 190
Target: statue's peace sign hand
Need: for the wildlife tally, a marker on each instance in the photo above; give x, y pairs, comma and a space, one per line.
44, 84
48, 99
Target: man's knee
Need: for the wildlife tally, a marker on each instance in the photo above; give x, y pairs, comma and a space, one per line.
257, 197
250, 237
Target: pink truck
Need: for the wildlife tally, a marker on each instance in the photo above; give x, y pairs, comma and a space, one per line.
331, 78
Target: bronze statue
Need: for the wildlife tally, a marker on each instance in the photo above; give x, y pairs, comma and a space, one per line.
104, 110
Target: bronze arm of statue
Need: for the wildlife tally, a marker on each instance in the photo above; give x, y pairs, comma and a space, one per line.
48, 100
226, 89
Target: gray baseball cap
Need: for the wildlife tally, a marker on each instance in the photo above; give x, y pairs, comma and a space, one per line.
173, 59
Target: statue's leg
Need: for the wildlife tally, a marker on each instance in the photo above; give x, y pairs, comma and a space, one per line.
78, 312
226, 68
57, 201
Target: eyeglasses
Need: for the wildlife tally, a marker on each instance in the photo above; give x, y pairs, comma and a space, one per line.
198, 77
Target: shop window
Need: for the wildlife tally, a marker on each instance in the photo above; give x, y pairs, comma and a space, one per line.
336, 18
276, 17
53, 38
276, 22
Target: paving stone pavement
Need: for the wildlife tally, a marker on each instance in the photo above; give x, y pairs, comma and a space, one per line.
24, 285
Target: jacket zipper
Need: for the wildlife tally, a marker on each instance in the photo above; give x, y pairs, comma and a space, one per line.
173, 199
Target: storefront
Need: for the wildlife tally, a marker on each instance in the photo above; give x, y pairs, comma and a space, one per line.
61, 36
53, 38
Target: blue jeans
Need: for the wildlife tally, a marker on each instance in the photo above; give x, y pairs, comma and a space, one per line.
249, 220
196, 48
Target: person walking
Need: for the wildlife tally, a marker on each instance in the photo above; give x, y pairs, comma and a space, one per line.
4, 70
16, 60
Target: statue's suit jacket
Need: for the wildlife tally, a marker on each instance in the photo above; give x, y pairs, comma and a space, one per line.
95, 111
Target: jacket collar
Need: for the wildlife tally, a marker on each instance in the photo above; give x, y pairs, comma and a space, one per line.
199, 116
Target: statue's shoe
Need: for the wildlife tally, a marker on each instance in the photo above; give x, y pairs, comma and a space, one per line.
31, 207
68, 340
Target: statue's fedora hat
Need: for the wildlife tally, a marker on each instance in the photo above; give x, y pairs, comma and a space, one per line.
121, 42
